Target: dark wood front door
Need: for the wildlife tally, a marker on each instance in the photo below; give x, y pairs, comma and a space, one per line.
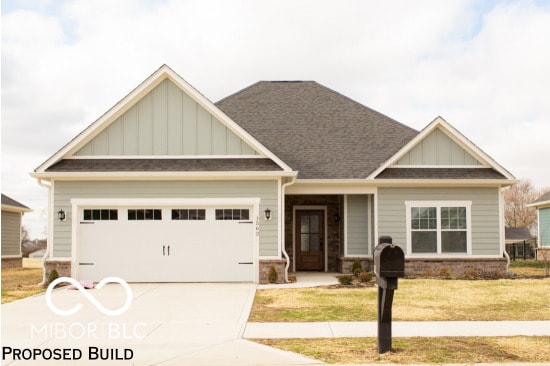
310, 237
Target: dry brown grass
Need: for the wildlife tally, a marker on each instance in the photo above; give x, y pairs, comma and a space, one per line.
415, 300
420, 350
18, 283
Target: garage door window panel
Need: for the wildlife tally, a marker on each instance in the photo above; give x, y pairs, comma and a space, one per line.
100, 214
232, 214
189, 214
148, 214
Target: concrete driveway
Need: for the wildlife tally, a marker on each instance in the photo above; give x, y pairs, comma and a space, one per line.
165, 324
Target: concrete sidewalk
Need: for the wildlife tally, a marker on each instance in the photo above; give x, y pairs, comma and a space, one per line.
399, 329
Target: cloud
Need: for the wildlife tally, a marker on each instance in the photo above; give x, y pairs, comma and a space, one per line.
480, 65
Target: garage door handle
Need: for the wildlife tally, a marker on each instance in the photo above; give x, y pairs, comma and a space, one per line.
163, 249
169, 250
246, 262
246, 222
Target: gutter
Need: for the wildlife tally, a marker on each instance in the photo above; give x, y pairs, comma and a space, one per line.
49, 241
285, 254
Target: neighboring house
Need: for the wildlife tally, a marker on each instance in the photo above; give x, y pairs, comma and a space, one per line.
12, 213
542, 204
520, 243
517, 234
38, 254
168, 186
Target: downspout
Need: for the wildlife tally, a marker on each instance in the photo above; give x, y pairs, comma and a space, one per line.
507, 259
49, 242
285, 254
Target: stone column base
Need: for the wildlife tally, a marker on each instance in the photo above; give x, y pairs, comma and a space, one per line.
265, 266
63, 268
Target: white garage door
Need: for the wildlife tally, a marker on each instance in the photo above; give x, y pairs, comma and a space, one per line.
166, 244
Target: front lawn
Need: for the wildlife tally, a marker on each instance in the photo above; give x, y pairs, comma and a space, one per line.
417, 350
415, 300
18, 283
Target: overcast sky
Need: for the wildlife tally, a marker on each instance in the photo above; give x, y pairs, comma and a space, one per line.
484, 66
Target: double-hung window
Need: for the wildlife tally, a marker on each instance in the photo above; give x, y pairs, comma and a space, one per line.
438, 227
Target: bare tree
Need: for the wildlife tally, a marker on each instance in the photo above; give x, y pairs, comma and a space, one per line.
25, 236
516, 199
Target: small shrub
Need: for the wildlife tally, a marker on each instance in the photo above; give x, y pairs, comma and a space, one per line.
356, 267
272, 276
471, 274
445, 273
52, 276
428, 272
365, 277
345, 279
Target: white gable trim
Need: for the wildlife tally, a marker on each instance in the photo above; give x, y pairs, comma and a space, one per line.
139, 92
453, 134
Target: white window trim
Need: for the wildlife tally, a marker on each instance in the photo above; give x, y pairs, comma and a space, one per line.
438, 205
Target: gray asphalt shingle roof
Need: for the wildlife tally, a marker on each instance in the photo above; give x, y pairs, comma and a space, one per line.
440, 173
543, 198
315, 130
163, 165
8, 201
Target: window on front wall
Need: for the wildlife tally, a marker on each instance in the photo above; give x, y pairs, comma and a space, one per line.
438, 227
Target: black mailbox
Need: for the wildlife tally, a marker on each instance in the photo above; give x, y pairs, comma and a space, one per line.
389, 265
389, 260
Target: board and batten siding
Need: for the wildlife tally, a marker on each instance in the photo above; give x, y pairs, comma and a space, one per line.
484, 213
266, 190
11, 233
166, 121
437, 149
357, 221
544, 227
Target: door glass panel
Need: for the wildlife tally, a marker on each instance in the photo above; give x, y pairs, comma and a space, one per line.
304, 241
314, 224
304, 224
314, 245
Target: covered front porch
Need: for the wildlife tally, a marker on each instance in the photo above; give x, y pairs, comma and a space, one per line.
327, 232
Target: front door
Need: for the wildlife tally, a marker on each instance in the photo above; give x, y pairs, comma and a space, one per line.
310, 236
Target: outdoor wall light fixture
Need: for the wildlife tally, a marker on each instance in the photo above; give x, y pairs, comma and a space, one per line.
61, 215
267, 214
336, 217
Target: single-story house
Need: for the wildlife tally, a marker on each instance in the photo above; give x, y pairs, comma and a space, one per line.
12, 214
168, 186
542, 204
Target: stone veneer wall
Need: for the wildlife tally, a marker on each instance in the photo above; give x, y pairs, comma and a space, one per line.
12, 262
347, 262
456, 268
448, 267
265, 266
332, 202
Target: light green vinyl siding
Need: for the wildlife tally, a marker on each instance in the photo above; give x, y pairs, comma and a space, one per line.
11, 233
437, 149
484, 213
357, 220
544, 226
266, 190
166, 121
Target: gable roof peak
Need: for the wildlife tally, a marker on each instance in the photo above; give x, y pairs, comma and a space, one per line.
455, 135
155, 79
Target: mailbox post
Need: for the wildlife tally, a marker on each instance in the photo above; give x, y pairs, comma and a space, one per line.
389, 265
